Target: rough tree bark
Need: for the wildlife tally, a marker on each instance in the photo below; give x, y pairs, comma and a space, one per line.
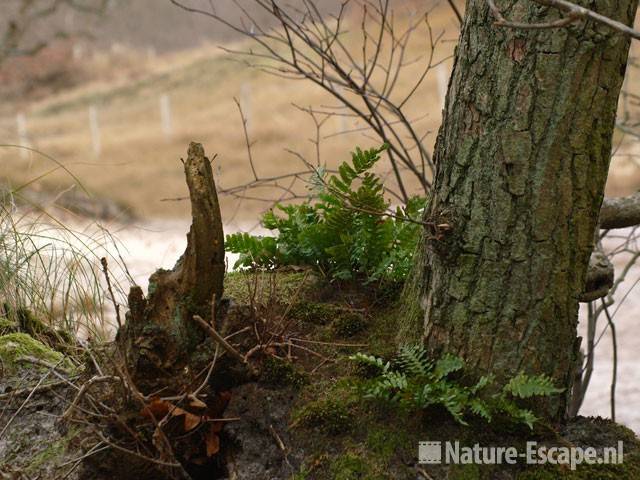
160, 338
522, 159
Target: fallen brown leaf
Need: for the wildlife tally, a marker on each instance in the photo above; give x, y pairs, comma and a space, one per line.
212, 441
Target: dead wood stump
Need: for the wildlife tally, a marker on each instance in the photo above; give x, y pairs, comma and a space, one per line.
159, 338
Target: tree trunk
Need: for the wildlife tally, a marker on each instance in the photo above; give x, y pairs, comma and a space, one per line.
522, 158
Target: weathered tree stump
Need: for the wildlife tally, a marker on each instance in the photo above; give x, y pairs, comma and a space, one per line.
160, 339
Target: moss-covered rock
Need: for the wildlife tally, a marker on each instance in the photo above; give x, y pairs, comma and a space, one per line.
16, 345
384, 442
597, 433
25, 321
343, 321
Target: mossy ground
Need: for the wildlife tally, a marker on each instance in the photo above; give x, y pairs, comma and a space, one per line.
7, 326
34, 446
53, 454
279, 287
281, 373
14, 346
330, 431
345, 437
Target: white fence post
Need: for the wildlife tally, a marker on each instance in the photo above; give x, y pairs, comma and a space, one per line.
23, 137
165, 115
94, 126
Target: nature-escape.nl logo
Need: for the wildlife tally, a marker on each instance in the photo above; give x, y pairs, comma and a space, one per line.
452, 453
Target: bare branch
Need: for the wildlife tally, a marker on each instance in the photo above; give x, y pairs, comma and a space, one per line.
620, 212
574, 12
309, 45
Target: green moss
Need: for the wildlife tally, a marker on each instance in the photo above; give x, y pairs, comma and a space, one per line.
301, 475
409, 321
30, 324
363, 371
348, 324
327, 416
628, 470
16, 345
464, 472
7, 326
344, 322
25, 321
384, 442
382, 331
279, 372
242, 287
51, 455
153, 286
314, 313
348, 467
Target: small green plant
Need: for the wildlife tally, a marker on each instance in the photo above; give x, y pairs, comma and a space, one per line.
345, 232
414, 382
331, 417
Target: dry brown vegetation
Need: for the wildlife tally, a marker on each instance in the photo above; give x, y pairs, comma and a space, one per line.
138, 165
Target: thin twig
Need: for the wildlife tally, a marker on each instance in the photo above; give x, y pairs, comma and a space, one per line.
105, 270
503, 22
219, 339
246, 138
456, 11
83, 390
614, 376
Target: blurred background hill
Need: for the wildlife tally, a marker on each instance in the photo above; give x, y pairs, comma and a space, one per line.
142, 24
117, 95
119, 107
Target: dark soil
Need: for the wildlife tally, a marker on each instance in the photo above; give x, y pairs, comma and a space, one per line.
301, 418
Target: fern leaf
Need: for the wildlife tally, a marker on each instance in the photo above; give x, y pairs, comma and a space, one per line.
412, 359
525, 386
446, 365
481, 408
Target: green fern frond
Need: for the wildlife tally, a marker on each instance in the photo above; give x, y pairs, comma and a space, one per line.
480, 408
253, 251
446, 365
483, 382
414, 382
343, 233
525, 386
371, 361
413, 360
